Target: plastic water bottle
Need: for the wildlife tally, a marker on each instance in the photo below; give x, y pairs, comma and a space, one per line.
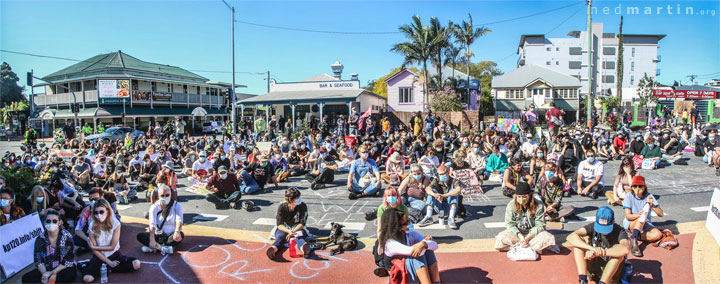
103, 273
627, 273
292, 250
646, 212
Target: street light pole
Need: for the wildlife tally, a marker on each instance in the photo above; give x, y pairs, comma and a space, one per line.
590, 59
232, 91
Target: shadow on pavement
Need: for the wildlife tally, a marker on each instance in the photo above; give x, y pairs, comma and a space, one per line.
465, 275
647, 271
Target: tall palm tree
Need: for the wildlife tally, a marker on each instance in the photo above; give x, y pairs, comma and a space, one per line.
442, 34
452, 58
466, 34
418, 48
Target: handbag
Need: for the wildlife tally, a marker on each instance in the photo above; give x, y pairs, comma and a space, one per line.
648, 164
668, 241
637, 161
519, 253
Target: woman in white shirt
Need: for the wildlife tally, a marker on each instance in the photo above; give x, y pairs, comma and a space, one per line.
429, 162
165, 224
105, 244
397, 239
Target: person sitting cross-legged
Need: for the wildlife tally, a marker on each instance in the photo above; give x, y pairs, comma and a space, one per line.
600, 249
165, 226
364, 178
256, 175
524, 223
291, 218
637, 205
226, 189
54, 254
442, 197
323, 171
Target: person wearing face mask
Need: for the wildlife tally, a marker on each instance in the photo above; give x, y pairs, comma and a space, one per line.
550, 190
397, 240
323, 171
148, 172
54, 254
99, 171
477, 159
364, 177
524, 223
624, 178
163, 157
531, 117
82, 230
637, 144
590, 178
256, 175
118, 185
10, 211
620, 146
638, 221
651, 153
221, 159
226, 189
188, 162
419, 148
37, 202
511, 177
413, 192
201, 169
81, 171
711, 149
290, 223
528, 148
394, 170
442, 196
104, 241
165, 224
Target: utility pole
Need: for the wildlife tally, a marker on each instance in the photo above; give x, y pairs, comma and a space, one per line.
232, 90
268, 81
590, 58
692, 78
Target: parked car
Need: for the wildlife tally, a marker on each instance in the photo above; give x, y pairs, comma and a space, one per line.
114, 133
212, 127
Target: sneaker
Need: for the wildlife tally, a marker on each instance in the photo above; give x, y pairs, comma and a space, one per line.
122, 199
451, 224
270, 252
233, 205
378, 194
425, 222
166, 250
146, 249
635, 248
306, 250
353, 196
555, 249
313, 185
582, 282
593, 195
380, 272
132, 199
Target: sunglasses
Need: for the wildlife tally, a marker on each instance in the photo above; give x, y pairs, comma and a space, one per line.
637, 186
101, 212
51, 221
165, 195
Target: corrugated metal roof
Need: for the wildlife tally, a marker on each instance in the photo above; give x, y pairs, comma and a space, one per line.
120, 61
321, 78
311, 95
527, 74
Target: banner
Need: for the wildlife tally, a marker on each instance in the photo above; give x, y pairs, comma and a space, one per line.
668, 93
66, 155
114, 88
713, 218
468, 182
508, 125
18, 243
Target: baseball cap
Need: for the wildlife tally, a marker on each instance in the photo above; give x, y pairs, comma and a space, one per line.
638, 180
604, 220
222, 169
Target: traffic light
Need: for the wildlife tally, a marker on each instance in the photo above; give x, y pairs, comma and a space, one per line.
76, 108
30, 78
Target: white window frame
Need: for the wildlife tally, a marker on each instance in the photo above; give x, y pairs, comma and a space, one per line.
405, 96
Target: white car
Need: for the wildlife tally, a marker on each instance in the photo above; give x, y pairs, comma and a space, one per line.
212, 127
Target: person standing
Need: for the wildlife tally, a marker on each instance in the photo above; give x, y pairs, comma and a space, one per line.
531, 117
260, 127
69, 131
695, 113
553, 117
31, 137
353, 120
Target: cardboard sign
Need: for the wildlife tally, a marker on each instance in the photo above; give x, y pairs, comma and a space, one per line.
350, 140
18, 243
713, 218
264, 147
66, 155
199, 188
468, 182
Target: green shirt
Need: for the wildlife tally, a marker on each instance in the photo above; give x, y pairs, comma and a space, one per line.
260, 125
496, 163
648, 153
87, 130
382, 209
536, 222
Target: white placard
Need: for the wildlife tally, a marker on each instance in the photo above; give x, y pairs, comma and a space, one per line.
713, 217
18, 243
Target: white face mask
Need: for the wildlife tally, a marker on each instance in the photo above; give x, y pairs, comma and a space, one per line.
165, 200
223, 176
51, 227
101, 218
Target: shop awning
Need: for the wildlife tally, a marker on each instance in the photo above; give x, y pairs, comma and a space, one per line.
154, 112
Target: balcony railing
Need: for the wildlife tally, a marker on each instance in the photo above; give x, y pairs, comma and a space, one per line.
138, 96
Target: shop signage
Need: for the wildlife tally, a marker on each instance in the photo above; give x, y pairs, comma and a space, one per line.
685, 94
312, 86
114, 88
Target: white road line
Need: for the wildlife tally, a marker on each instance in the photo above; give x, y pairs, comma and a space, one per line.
209, 217
265, 221
349, 226
655, 215
700, 209
431, 227
495, 225
121, 207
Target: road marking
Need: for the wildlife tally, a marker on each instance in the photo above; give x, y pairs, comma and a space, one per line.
495, 225
265, 221
209, 217
349, 226
583, 219
431, 227
121, 207
700, 209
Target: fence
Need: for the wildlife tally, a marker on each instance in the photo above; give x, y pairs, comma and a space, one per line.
465, 120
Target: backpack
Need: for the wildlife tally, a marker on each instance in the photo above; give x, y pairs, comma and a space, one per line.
668, 241
556, 121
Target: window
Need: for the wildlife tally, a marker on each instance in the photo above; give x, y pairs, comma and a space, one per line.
557, 49
197, 90
609, 65
574, 64
185, 89
632, 80
575, 50
405, 95
549, 49
633, 52
632, 66
169, 86
608, 79
513, 94
557, 62
547, 62
608, 51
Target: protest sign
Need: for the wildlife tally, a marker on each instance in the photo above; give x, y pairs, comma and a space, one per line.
468, 182
264, 147
18, 243
199, 188
350, 140
64, 154
508, 125
713, 218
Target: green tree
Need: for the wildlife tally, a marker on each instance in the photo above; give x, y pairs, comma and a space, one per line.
485, 71
466, 34
443, 35
445, 100
418, 47
452, 58
645, 89
9, 89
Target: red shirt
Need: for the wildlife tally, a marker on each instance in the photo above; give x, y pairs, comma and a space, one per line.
553, 112
620, 143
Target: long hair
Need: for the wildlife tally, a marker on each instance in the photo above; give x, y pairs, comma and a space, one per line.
531, 205
390, 226
105, 225
390, 191
33, 198
627, 160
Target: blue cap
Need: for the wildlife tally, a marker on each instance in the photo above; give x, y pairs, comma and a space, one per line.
604, 220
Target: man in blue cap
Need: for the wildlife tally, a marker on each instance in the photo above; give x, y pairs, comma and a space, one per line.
600, 248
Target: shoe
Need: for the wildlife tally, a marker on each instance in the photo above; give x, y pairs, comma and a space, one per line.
635, 248
313, 185
147, 215
233, 205
594, 195
378, 194
353, 196
165, 250
380, 272
425, 222
555, 249
582, 282
271, 252
133, 198
122, 199
306, 250
562, 219
146, 249
451, 224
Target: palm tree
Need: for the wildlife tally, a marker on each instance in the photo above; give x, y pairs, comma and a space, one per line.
466, 34
452, 58
418, 48
438, 31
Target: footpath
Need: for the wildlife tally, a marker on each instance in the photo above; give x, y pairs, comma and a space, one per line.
219, 255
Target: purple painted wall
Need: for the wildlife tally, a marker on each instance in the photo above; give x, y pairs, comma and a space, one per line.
405, 79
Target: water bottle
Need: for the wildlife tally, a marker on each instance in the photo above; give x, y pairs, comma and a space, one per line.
103, 273
292, 250
627, 273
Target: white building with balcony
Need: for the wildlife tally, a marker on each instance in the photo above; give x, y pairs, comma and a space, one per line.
114, 86
569, 56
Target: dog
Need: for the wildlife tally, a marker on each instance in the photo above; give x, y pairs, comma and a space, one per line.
344, 241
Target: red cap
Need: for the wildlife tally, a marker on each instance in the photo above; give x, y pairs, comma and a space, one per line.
638, 180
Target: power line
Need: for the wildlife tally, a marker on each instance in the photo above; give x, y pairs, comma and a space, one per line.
564, 21
38, 55
531, 15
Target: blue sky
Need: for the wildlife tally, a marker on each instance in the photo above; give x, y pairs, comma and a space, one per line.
195, 35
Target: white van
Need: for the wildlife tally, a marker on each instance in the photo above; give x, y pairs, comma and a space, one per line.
212, 127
